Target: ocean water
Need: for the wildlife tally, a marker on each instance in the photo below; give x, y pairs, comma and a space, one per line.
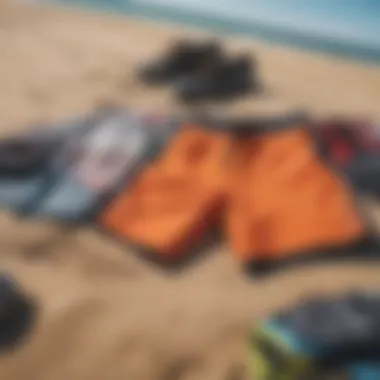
348, 27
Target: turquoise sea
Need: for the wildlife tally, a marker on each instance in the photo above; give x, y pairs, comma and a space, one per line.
344, 27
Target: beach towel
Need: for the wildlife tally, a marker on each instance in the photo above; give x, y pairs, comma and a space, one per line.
108, 156
270, 192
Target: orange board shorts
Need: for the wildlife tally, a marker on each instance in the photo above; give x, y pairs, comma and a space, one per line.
270, 192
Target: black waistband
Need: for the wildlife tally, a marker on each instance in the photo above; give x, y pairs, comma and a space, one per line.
254, 124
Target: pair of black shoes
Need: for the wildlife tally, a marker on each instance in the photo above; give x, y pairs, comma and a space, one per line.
202, 71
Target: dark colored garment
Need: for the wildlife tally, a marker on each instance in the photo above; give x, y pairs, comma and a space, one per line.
319, 336
25, 174
353, 147
20, 158
346, 326
17, 313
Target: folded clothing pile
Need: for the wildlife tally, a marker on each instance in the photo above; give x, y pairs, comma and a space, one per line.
320, 338
165, 184
67, 172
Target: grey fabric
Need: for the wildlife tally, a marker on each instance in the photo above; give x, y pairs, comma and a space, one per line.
19, 193
15, 193
364, 174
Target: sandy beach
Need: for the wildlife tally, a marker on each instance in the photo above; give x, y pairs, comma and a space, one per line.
105, 313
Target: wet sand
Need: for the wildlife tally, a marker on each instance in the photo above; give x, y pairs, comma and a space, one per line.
105, 313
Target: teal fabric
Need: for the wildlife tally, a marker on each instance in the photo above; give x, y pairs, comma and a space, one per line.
16, 193
365, 371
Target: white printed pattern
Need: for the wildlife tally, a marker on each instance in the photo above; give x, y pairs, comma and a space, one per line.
115, 147
110, 150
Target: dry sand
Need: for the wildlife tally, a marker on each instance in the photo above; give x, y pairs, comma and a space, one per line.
105, 313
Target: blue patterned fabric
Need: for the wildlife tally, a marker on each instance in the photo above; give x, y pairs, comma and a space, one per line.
108, 156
